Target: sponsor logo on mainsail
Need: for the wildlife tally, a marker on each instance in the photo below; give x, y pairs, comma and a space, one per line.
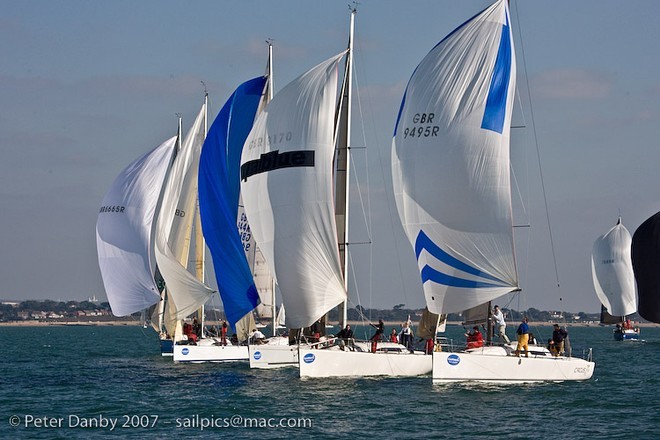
424, 243
274, 160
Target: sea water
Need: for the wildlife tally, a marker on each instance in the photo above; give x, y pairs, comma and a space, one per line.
111, 381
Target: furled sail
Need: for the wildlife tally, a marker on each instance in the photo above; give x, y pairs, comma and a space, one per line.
287, 189
612, 271
124, 231
174, 225
219, 188
281, 316
606, 318
429, 324
646, 259
450, 164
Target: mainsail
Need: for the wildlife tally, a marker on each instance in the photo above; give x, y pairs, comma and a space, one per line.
219, 189
450, 164
646, 259
287, 189
612, 271
124, 231
174, 225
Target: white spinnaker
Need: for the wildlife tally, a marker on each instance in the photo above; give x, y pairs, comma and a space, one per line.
612, 271
124, 232
291, 209
174, 225
450, 164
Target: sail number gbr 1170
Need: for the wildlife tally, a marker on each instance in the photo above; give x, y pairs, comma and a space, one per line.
421, 126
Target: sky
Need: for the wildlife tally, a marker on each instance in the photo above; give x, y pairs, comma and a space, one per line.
88, 86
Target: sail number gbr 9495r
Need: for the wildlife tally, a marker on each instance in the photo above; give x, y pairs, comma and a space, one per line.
422, 126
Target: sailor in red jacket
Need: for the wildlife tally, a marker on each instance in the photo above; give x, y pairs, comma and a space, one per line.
474, 338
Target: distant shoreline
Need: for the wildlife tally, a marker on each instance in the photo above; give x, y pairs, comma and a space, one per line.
394, 324
68, 323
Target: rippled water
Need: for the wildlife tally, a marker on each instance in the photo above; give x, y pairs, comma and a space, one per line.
85, 374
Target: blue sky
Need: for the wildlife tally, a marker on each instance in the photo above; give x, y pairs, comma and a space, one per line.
86, 87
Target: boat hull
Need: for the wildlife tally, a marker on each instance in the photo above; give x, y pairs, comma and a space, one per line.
166, 347
209, 352
338, 363
626, 335
275, 354
493, 366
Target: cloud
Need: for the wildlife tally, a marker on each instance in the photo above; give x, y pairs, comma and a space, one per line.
572, 84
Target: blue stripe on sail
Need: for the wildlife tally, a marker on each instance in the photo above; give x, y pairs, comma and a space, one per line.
219, 187
398, 116
430, 274
497, 95
424, 242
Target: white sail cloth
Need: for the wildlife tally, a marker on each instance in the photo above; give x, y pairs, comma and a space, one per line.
124, 231
174, 225
612, 271
287, 190
450, 164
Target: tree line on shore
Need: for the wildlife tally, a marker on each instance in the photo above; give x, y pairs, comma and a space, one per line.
11, 311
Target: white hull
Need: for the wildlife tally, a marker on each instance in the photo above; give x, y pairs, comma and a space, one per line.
492, 364
337, 363
273, 356
206, 351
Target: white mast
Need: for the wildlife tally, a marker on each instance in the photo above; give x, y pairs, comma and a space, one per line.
269, 97
200, 244
162, 305
342, 199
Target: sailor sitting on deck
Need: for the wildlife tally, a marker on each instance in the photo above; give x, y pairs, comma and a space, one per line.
257, 337
474, 338
190, 334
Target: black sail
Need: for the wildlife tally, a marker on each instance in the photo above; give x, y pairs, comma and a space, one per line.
646, 265
606, 318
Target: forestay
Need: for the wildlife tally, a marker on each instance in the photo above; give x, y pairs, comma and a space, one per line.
286, 185
450, 164
124, 231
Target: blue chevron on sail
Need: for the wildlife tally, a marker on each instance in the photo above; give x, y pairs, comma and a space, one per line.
424, 243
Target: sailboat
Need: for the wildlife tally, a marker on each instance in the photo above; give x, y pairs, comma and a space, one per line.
614, 280
451, 175
186, 292
645, 258
286, 185
219, 204
295, 155
124, 231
